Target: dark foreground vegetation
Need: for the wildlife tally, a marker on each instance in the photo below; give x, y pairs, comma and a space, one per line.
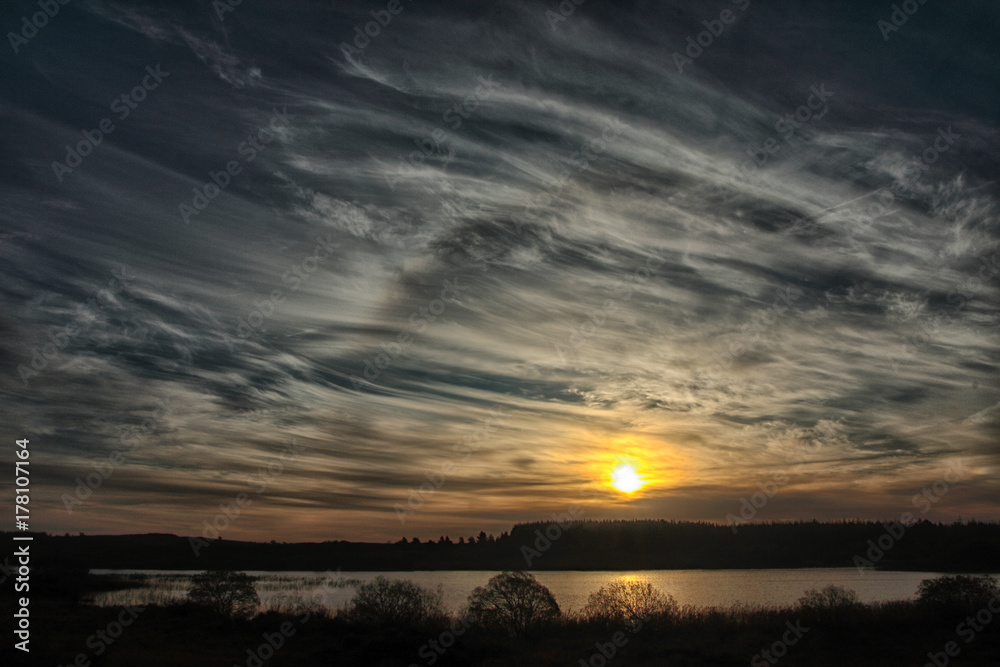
514, 621
561, 544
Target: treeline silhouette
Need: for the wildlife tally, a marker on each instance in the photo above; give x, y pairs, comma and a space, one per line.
583, 545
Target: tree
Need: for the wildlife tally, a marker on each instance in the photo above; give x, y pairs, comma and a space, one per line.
831, 604
383, 601
229, 594
626, 602
829, 597
513, 602
959, 593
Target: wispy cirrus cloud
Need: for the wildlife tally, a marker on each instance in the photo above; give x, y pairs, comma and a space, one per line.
885, 360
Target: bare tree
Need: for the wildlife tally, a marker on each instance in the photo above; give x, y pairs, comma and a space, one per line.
958, 593
229, 594
831, 605
628, 603
829, 597
395, 602
514, 602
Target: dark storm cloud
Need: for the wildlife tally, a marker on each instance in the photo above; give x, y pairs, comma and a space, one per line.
632, 260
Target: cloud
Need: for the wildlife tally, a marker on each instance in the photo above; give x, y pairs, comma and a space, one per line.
626, 281
166, 26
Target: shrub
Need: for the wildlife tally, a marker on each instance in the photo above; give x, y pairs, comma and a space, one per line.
831, 604
395, 602
513, 602
229, 594
959, 593
829, 598
625, 602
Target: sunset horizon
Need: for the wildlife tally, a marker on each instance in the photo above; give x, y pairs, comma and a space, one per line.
666, 286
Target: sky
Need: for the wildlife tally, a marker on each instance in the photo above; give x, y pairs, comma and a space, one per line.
365, 270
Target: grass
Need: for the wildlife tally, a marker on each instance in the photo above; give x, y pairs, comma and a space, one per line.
180, 634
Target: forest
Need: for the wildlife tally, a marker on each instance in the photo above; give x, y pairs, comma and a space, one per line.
564, 545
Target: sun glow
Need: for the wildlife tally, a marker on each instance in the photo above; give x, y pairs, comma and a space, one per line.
626, 479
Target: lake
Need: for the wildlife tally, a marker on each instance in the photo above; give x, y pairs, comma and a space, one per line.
701, 588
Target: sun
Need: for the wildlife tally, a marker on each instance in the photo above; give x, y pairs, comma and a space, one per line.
625, 478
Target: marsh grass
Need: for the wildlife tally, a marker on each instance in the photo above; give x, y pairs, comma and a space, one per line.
278, 593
